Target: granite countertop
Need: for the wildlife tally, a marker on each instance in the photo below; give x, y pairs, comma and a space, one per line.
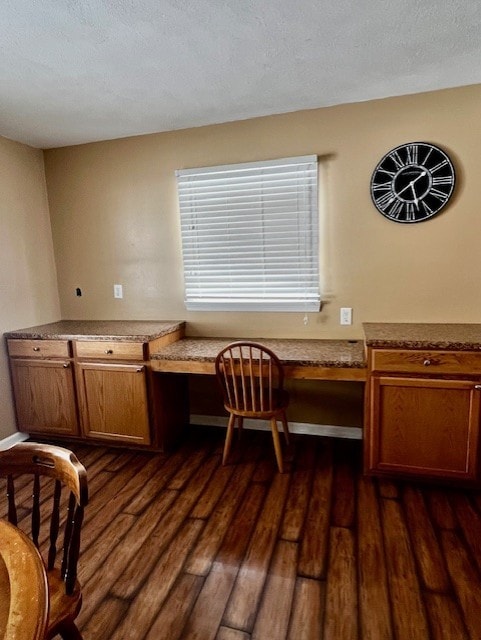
304, 353
123, 330
411, 335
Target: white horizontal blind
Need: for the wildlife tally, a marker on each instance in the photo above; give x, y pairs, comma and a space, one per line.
250, 236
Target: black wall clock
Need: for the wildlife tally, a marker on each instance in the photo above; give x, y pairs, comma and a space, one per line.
412, 182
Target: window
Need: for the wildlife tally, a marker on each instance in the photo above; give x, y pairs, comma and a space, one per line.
250, 236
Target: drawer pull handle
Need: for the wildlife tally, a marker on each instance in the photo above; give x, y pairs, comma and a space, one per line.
140, 369
109, 351
477, 387
36, 348
65, 365
427, 362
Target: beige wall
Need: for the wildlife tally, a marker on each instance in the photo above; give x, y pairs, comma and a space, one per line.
28, 286
115, 218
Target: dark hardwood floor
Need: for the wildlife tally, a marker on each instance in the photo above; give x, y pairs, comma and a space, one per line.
178, 547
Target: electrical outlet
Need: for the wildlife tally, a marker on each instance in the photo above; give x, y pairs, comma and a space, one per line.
118, 293
346, 315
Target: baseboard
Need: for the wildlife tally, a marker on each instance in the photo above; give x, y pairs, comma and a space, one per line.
15, 438
331, 430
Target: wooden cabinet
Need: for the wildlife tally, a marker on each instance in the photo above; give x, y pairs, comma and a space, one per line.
423, 414
101, 390
114, 402
44, 389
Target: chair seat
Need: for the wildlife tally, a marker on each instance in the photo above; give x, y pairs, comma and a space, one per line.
63, 608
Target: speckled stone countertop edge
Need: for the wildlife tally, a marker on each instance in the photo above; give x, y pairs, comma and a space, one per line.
101, 330
341, 354
437, 336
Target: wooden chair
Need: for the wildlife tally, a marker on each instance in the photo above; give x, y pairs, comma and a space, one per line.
36, 505
252, 378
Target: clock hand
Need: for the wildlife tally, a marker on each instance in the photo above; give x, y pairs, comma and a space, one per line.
410, 185
414, 194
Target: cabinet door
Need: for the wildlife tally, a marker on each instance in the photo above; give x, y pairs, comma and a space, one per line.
114, 402
423, 427
44, 396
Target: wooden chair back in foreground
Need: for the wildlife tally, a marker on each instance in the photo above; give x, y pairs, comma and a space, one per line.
46, 496
252, 382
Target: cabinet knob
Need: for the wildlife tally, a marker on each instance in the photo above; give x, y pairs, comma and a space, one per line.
427, 362
109, 351
36, 348
140, 369
66, 365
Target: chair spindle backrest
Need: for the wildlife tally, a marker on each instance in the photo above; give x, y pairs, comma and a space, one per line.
62, 466
249, 375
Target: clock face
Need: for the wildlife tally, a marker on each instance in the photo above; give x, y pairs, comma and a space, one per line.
412, 182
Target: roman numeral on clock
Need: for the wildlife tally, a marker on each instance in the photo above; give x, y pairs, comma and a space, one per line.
444, 180
412, 152
385, 200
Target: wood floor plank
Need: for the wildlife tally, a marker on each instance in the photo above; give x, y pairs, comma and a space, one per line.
465, 579
110, 484
170, 620
424, 542
105, 619
242, 607
307, 616
299, 492
470, 522
98, 551
125, 552
341, 587
158, 481
187, 470
122, 460
313, 551
207, 613
211, 538
225, 633
374, 606
207, 501
408, 613
272, 620
128, 583
440, 508
388, 489
445, 618
97, 463
144, 607
344, 490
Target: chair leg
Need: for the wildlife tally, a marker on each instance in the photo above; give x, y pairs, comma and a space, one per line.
228, 438
240, 424
285, 427
277, 445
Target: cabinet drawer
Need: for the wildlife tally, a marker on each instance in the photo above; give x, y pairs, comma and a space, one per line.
426, 362
39, 348
113, 350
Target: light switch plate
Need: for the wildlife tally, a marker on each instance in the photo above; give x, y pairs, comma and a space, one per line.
118, 293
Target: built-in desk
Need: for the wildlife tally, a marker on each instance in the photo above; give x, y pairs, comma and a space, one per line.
316, 360
302, 359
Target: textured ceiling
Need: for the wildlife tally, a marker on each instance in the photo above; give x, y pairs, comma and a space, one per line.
74, 71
